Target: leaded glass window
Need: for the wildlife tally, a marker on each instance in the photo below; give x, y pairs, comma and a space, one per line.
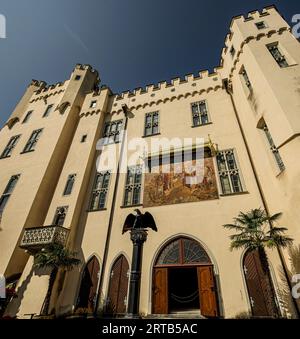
60, 216
69, 184
229, 172
183, 251
48, 111
112, 131
277, 55
246, 78
273, 148
100, 191
133, 186
8, 191
32, 141
27, 117
194, 253
10, 146
151, 123
200, 113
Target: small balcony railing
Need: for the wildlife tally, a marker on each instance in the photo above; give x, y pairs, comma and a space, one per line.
39, 237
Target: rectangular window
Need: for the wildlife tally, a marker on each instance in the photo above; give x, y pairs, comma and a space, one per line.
69, 184
27, 117
93, 104
100, 191
60, 216
273, 148
246, 78
200, 113
232, 52
8, 191
261, 25
48, 111
229, 172
277, 55
133, 186
151, 124
77, 77
31, 143
112, 132
10, 146
83, 138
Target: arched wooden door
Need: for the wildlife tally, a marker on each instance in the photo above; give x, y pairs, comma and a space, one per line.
260, 288
183, 277
118, 286
89, 284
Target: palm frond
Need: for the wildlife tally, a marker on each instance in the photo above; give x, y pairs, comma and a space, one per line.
253, 231
234, 227
275, 217
55, 256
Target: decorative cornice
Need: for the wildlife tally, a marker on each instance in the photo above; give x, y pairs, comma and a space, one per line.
167, 99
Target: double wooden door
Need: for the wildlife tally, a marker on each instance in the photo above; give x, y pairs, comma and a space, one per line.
118, 286
260, 287
206, 285
89, 285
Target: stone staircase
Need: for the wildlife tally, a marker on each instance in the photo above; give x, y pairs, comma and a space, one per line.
178, 315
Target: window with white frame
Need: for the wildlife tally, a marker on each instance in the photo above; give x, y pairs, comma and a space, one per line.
229, 173
200, 113
100, 191
133, 186
10, 146
151, 124
112, 132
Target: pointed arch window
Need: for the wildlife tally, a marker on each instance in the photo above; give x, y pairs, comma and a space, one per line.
183, 251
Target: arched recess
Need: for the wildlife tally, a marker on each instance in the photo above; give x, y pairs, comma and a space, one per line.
184, 279
89, 285
261, 292
118, 286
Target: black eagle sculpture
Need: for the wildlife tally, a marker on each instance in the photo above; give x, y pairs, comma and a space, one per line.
139, 221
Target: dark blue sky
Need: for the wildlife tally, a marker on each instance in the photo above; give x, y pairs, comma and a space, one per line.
130, 42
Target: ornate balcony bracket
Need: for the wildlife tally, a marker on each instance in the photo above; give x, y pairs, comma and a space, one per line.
36, 238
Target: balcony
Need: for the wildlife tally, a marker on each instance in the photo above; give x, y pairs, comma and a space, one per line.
38, 237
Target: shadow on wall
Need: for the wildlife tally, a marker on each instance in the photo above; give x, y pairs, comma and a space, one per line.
284, 293
13, 307
65, 295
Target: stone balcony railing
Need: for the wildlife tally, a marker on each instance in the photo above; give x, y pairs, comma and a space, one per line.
39, 237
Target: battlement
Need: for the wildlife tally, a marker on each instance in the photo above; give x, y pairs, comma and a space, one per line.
173, 83
241, 31
86, 67
251, 16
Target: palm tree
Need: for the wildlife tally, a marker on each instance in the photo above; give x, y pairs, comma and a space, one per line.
54, 256
255, 232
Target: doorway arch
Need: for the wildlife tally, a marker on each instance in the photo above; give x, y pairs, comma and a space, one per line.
259, 284
118, 286
183, 279
89, 285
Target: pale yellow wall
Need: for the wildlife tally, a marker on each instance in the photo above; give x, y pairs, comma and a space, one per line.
276, 99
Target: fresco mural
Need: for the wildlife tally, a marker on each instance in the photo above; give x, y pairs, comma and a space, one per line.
175, 187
